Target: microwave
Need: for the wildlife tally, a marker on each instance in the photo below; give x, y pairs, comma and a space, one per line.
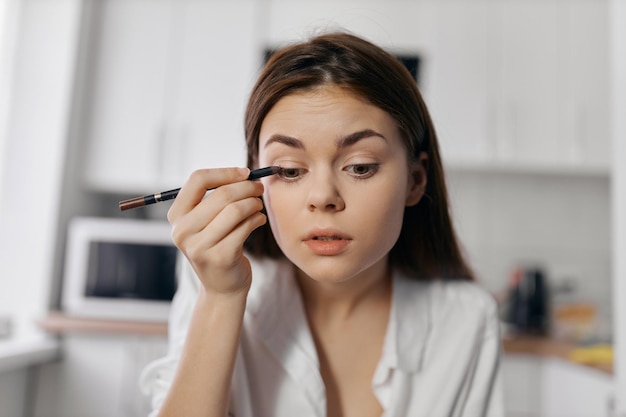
119, 269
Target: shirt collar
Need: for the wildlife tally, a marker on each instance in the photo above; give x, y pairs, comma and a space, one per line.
276, 310
276, 304
409, 324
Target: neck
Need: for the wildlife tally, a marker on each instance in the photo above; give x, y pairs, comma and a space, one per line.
341, 300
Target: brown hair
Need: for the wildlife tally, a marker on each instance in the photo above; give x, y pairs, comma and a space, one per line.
427, 247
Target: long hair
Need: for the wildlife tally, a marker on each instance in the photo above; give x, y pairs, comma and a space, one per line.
427, 247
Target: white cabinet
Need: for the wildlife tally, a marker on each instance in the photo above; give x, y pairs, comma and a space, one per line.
165, 90
460, 67
511, 85
13, 391
586, 93
570, 390
127, 93
520, 384
554, 82
522, 85
550, 387
220, 59
527, 74
97, 376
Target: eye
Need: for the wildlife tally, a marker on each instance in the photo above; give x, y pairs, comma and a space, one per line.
362, 171
291, 174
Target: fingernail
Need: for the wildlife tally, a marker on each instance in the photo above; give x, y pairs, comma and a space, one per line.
244, 172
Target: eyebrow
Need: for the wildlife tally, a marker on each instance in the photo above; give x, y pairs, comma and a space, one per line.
343, 142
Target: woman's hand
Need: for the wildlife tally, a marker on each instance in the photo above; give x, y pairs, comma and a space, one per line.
211, 231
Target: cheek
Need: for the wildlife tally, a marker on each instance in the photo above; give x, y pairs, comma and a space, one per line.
385, 212
269, 209
278, 209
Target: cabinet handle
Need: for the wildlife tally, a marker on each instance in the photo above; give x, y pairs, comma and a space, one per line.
610, 406
507, 141
577, 148
183, 150
160, 161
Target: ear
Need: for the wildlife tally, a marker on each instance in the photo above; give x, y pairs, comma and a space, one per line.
416, 186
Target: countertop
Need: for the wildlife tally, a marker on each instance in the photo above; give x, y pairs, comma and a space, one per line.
58, 323
546, 347
22, 352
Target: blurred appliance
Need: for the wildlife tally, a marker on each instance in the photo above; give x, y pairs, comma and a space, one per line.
529, 301
119, 269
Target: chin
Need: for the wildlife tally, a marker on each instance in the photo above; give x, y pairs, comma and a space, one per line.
322, 276
330, 270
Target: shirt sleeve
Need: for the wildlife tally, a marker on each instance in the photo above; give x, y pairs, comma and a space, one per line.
485, 396
156, 378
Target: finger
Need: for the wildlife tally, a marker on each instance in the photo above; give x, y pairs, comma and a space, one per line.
229, 218
243, 230
229, 227
196, 186
205, 212
230, 248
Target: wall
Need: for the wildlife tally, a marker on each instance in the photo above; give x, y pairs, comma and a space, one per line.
9, 16
36, 132
618, 188
558, 222
14, 393
35, 154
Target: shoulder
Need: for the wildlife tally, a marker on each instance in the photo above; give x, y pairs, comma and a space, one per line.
464, 306
452, 303
270, 281
449, 295
461, 297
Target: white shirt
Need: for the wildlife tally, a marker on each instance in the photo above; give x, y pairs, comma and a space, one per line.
440, 357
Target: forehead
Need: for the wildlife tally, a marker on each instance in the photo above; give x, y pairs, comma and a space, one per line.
328, 110
320, 99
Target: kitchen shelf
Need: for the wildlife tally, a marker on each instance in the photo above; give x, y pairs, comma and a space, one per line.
60, 323
546, 347
24, 352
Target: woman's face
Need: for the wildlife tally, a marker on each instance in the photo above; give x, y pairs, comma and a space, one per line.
336, 210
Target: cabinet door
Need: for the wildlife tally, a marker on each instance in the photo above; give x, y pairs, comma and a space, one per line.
126, 94
586, 98
552, 84
461, 67
570, 390
521, 376
98, 377
220, 57
529, 82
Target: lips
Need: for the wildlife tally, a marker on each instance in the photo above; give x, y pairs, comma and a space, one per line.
327, 242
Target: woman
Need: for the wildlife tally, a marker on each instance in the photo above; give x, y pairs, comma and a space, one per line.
336, 287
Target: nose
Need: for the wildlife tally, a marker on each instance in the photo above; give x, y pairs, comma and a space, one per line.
324, 194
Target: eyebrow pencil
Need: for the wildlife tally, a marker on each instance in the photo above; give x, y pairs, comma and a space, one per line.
171, 194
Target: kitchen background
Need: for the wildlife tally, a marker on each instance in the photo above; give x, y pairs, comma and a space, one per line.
102, 100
